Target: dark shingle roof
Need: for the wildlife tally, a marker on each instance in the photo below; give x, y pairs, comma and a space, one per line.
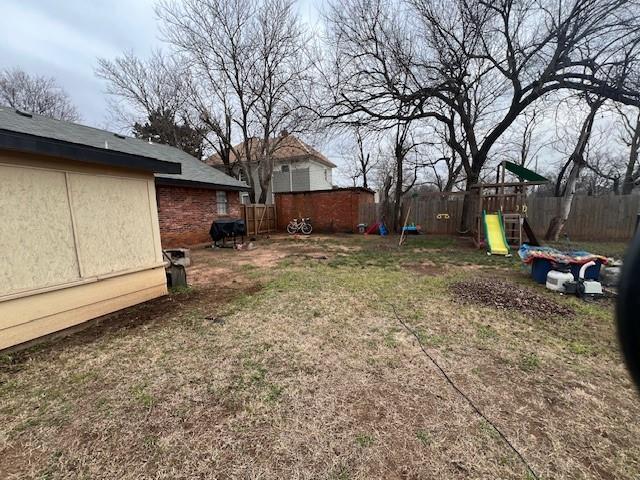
193, 170
196, 171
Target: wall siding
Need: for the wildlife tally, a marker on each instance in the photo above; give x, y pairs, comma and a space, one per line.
102, 250
186, 214
300, 180
317, 180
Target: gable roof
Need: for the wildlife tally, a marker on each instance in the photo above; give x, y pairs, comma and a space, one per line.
289, 148
29, 133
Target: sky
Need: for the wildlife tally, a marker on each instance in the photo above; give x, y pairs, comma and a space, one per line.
64, 39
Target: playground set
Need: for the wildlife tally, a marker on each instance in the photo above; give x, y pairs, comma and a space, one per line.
501, 210
501, 221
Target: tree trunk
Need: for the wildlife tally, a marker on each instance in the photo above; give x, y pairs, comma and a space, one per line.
468, 204
265, 182
576, 160
397, 207
246, 167
397, 193
365, 166
557, 223
386, 190
629, 181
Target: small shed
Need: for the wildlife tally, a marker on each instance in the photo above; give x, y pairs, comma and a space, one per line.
79, 234
331, 211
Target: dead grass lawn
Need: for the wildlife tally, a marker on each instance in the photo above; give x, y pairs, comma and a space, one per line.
306, 374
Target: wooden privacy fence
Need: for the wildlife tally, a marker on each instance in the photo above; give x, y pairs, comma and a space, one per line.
259, 218
592, 218
437, 214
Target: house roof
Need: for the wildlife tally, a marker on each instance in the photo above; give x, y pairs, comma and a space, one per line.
38, 134
196, 173
30, 133
288, 147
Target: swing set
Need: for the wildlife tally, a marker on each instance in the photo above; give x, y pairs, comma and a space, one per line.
501, 209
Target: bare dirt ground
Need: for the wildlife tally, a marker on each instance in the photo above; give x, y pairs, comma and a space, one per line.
288, 362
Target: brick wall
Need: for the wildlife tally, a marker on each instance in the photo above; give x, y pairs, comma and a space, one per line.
186, 214
331, 211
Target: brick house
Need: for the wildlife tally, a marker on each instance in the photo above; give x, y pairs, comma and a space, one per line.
189, 202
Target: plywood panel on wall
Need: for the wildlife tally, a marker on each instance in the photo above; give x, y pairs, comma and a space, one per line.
113, 223
36, 235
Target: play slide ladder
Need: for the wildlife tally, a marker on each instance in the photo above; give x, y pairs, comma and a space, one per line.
494, 233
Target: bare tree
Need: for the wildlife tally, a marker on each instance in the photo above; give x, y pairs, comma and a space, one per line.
248, 61
525, 140
603, 175
577, 163
405, 143
485, 61
357, 151
140, 87
631, 137
36, 94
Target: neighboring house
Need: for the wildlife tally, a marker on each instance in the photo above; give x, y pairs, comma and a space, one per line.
79, 234
297, 167
189, 202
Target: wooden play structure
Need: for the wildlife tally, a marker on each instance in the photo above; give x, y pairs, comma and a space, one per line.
501, 209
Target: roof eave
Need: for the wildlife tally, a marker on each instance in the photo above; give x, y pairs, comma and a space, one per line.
51, 147
177, 182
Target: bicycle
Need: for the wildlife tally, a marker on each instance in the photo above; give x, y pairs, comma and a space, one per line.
304, 226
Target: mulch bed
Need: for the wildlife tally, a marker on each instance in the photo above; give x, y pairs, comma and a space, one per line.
503, 295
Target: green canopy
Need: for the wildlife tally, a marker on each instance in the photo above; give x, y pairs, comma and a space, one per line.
524, 173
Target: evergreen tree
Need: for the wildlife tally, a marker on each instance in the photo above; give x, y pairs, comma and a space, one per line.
161, 127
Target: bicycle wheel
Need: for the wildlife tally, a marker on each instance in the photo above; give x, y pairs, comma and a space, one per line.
292, 228
306, 228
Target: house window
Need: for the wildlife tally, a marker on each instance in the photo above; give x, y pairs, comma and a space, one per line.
221, 202
285, 168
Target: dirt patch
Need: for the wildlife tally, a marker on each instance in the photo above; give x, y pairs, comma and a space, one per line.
503, 295
226, 267
429, 269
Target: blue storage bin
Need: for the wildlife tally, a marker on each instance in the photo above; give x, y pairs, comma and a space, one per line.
539, 269
592, 273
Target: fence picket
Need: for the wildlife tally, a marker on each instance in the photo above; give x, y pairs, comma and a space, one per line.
592, 218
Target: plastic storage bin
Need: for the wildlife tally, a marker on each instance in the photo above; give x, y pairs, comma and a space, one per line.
539, 269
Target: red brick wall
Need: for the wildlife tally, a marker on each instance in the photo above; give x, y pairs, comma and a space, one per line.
330, 211
186, 214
